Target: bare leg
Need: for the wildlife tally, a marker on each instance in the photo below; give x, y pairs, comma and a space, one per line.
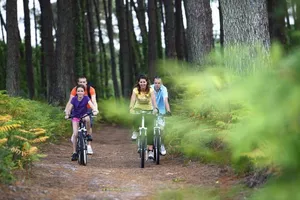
74, 136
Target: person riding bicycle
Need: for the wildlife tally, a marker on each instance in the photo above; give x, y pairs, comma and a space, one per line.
91, 93
78, 105
143, 98
161, 96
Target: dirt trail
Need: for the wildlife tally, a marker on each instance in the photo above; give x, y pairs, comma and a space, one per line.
111, 173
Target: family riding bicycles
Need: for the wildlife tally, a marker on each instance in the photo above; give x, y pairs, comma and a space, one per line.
143, 99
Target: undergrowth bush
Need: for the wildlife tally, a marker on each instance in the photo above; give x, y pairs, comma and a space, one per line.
248, 120
24, 125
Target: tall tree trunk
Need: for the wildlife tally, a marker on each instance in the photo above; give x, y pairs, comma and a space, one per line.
28, 50
170, 29
78, 28
159, 22
108, 15
35, 24
103, 58
221, 26
13, 44
93, 54
277, 14
199, 30
179, 31
124, 49
297, 22
140, 13
136, 58
247, 23
246, 33
2, 24
48, 50
86, 46
65, 49
152, 48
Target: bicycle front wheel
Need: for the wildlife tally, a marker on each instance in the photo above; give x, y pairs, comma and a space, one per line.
142, 153
82, 152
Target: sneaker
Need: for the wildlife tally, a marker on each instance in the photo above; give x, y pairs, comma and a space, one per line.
89, 137
134, 135
163, 150
150, 154
89, 150
74, 157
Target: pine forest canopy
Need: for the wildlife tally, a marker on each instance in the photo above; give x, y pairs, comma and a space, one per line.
111, 42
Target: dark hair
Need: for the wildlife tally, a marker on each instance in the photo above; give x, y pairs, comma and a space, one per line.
80, 77
80, 86
137, 85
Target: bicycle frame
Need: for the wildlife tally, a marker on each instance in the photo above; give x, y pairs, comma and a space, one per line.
142, 137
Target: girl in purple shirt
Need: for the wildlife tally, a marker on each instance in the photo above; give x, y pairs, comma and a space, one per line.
79, 106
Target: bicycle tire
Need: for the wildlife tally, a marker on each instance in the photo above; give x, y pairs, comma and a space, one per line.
84, 153
80, 149
142, 154
156, 150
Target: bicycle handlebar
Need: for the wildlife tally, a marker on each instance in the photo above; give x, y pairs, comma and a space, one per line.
87, 114
138, 111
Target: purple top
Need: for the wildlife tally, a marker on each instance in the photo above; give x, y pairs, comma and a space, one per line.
79, 107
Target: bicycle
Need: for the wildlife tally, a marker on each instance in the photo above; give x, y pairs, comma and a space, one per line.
142, 136
158, 123
81, 147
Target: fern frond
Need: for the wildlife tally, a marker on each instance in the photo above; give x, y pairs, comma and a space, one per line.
16, 150
3, 140
41, 132
37, 129
38, 140
9, 127
5, 118
24, 131
32, 150
20, 138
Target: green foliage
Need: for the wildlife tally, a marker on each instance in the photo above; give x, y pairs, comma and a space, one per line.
24, 125
242, 114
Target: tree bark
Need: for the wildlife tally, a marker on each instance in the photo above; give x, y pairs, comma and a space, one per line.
245, 22
136, 57
140, 13
277, 14
93, 54
152, 48
65, 49
159, 22
124, 49
48, 50
28, 50
170, 29
78, 29
179, 32
108, 15
221, 26
103, 58
199, 30
13, 44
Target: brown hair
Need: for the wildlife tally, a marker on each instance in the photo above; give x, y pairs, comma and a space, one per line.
80, 86
137, 85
